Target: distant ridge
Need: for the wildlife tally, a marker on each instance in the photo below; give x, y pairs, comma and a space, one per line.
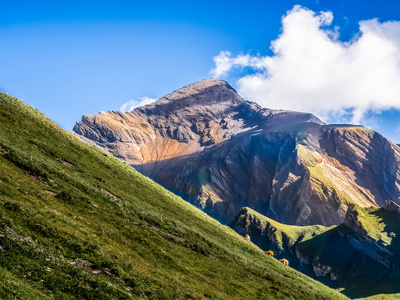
361, 255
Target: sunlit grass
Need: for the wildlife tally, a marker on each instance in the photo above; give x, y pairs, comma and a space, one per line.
77, 223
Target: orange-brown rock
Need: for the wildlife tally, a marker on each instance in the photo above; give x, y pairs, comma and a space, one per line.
222, 153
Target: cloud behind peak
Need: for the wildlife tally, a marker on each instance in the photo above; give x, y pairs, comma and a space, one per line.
132, 104
312, 70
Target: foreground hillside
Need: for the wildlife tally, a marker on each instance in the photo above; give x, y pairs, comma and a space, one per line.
223, 153
361, 255
77, 223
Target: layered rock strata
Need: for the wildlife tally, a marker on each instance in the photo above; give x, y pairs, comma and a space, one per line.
222, 153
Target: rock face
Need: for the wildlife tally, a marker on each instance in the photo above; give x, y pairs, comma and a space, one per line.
222, 153
360, 255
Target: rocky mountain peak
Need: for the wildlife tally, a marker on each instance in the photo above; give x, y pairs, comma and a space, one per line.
204, 94
199, 88
223, 153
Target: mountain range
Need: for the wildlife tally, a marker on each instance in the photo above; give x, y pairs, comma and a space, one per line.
221, 153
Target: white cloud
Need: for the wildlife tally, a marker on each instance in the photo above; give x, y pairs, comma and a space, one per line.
224, 62
311, 70
128, 106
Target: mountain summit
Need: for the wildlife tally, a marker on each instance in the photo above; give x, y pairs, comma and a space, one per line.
222, 153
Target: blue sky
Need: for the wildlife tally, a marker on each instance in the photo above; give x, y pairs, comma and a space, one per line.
69, 58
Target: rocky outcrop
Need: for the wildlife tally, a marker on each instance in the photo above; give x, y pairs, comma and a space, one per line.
364, 248
221, 153
391, 206
364, 240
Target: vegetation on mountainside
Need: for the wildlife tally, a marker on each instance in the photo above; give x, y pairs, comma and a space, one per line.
326, 177
373, 222
282, 234
77, 223
361, 254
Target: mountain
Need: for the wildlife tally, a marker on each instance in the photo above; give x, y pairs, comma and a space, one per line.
360, 255
76, 223
222, 153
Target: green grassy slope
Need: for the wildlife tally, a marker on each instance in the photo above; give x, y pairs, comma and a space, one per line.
283, 235
361, 254
77, 223
364, 256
